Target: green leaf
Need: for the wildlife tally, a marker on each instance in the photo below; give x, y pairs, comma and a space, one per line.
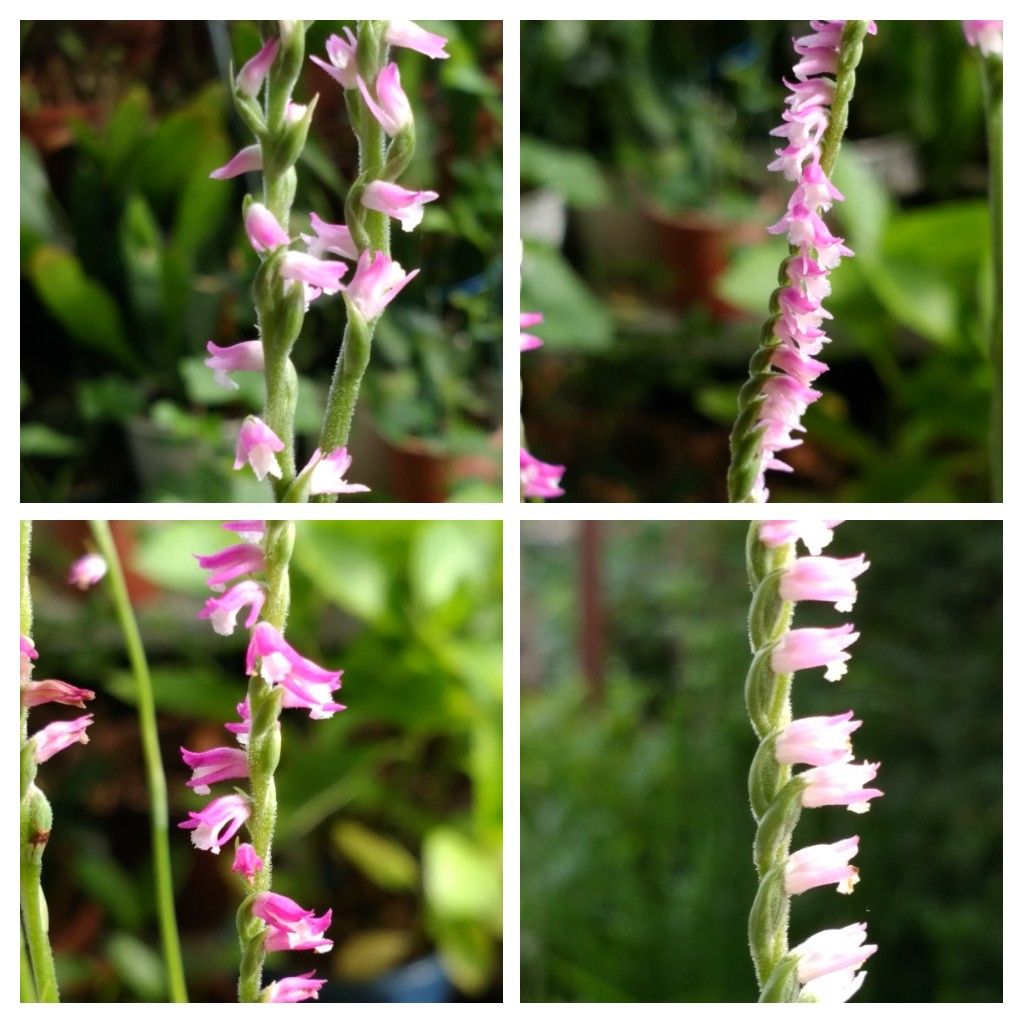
447, 555
462, 878
84, 307
573, 173
467, 952
139, 967
109, 399
40, 440
751, 276
865, 213
383, 860
111, 886
182, 689
38, 222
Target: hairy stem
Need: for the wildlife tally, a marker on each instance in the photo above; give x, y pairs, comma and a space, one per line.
27, 987
992, 76
156, 784
264, 752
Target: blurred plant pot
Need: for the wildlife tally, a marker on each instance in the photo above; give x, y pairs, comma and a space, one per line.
161, 456
695, 246
543, 216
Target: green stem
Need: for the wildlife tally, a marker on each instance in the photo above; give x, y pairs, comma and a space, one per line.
744, 441
264, 752
28, 983
37, 926
992, 77
155, 782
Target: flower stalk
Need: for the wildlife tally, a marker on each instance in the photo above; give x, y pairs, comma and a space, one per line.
992, 77
156, 783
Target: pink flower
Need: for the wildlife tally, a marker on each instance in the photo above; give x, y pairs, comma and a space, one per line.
986, 35
377, 280
250, 78
27, 650
223, 611
391, 107
539, 479
293, 990
822, 865
290, 926
245, 355
239, 560
529, 341
342, 55
57, 736
295, 112
410, 35
319, 275
823, 579
835, 949
244, 161
328, 476
334, 238
307, 684
401, 203
240, 730
53, 691
820, 740
216, 765
256, 445
834, 987
87, 571
840, 785
250, 530
263, 229
816, 534
815, 648
247, 862
218, 821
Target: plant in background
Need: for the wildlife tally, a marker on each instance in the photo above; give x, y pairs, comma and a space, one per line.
778, 391
38, 974
987, 36
279, 677
536, 479
289, 279
825, 967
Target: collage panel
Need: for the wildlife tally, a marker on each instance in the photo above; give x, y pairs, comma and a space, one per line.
325, 691
261, 261
689, 693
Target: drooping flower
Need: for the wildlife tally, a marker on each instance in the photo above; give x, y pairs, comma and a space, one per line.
245, 355
254, 71
529, 341
539, 479
245, 160
87, 571
223, 611
405, 205
825, 864
290, 926
819, 740
318, 275
58, 736
377, 280
226, 565
328, 476
293, 990
832, 950
986, 35
342, 56
840, 785
53, 691
412, 36
247, 862
218, 821
250, 530
334, 238
391, 106
815, 648
816, 534
257, 444
216, 765
307, 685
823, 579
263, 229
240, 730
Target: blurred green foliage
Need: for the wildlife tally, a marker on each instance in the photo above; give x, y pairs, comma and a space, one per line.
390, 813
655, 290
132, 258
636, 832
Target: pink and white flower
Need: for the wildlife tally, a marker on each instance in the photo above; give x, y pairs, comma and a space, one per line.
290, 926
840, 785
245, 160
263, 229
539, 479
819, 740
255, 70
342, 56
823, 579
223, 611
318, 275
391, 106
377, 280
293, 990
87, 571
218, 821
244, 355
527, 342
328, 475
58, 736
413, 37
987, 36
816, 534
334, 238
53, 691
815, 648
216, 765
247, 862
832, 950
226, 565
257, 444
405, 205
826, 864
835, 987
240, 730
250, 530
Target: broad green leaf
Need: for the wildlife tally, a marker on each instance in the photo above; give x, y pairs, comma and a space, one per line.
38, 220
461, 878
447, 555
573, 173
865, 213
183, 689
467, 953
40, 440
383, 860
139, 967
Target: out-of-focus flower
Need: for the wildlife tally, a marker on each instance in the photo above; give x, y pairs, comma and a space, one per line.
411, 36
529, 341
539, 479
245, 355
987, 36
87, 571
